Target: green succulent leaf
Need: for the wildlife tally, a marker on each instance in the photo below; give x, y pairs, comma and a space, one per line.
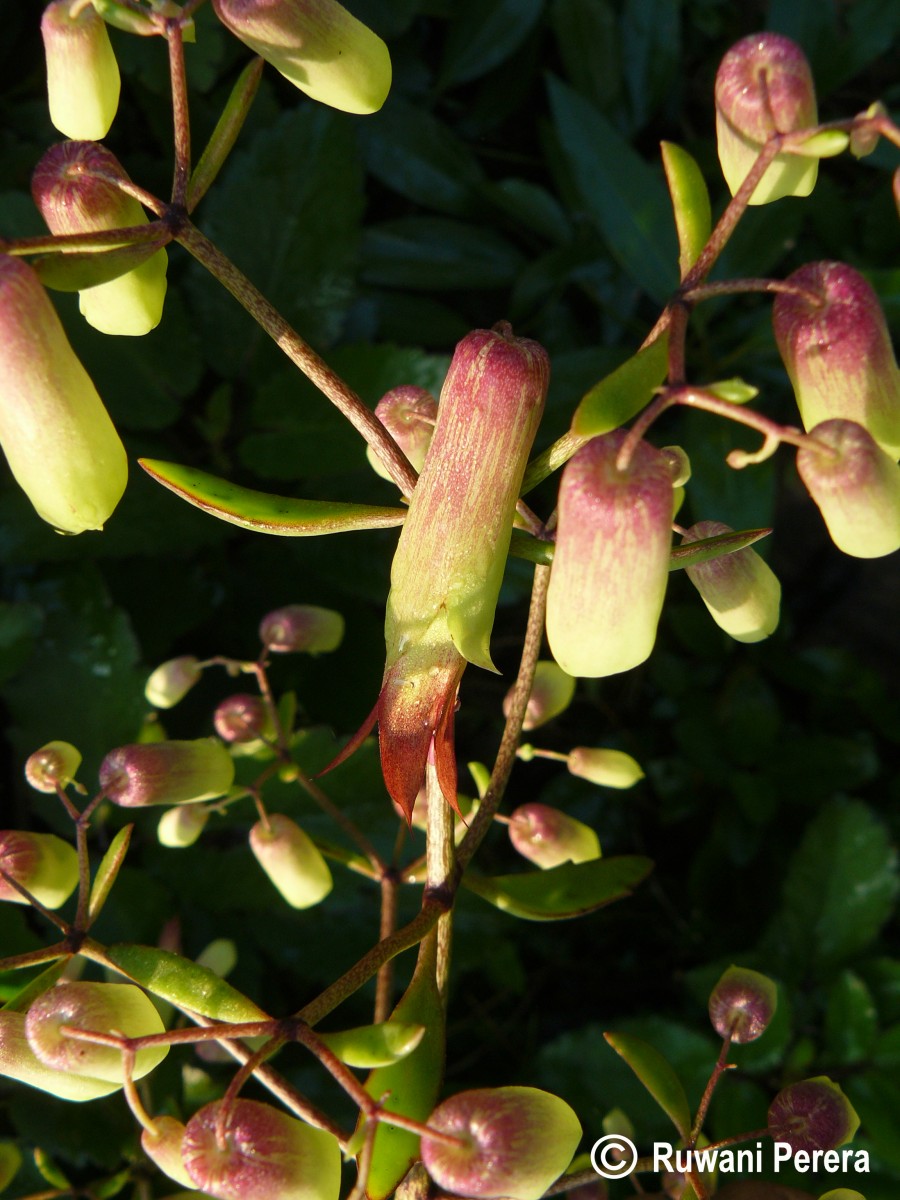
183, 983
225, 133
561, 892
714, 547
624, 392
658, 1077
690, 203
108, 870
374, 1045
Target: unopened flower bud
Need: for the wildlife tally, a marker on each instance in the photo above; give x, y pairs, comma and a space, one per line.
257, 1151
742, 1004
82, 74
42, 863
551, 694
18, 1061
69, 189
548, 837
162, 1144
242, 718
517, 1141
856, 486
172, 680
764, 86
834, 341
182, 825
111, 1008
291, 860
813, 1114
302, 628
740, 590
408, 413
608, 768
54, 765
166, 773
57, 436
611, 565
318, 46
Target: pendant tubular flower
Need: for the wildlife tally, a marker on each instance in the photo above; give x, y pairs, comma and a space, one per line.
61, 445
740, 590
408, 413
42, 863
611, 564
73, 199
764, 86
292, 861
318, 46
551, 694
301, 628
18, 1061
606, 768
82, 75
838, 352
166, 772
448, 568
547, 836
857, 489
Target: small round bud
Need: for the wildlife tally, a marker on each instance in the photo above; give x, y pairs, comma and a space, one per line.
182, 825
258, 1151
162, 1145
119, 1008
408, 413
608, 768
82, 75
551, 694
42, 863
548, 837
242, 718
291, 860
302, 627
856, 487
742, 1004
813, 1114
740, 590
166, 773
517, 1142
172, 680
54, 765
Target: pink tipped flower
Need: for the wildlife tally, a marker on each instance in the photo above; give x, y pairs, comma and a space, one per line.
740, 590
57, 436
291, 860
318, 46
42, 863
742, 1004
252, 1150
166, 773
182, 825
813, 1114
82, 74
71, 187
172, 680
302, 628
611, 564
606, 768
53, 766
162, 1144
517, 1141
551, 694
112, 1008
548, 837
408, 413
764, 86
242, 718
836, 348
856, 486
18, 1061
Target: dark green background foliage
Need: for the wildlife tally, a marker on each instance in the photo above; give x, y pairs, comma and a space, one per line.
514, 173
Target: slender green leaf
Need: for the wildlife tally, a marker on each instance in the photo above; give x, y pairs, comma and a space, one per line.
183, 983
106, 873
263, 513
374, 1045
532, 549
562, 892
225, 134
690, 203
713, 547
624, 392
658, 1077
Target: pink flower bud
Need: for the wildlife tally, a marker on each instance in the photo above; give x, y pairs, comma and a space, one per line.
607, 768
54, 765
517, 1141
302, 628
119, 1008
551, 694
258, 1151
408, 413
742, 1004
182, 825
548, 837
42, 863
162, 1144
172, 680
57, 436
857, 489
72, 198
82, 75
611, 565
812, 1115
740, 590
242, 718
318, 46
18, 1061
764, 86
166, 773
837, 351
291, 860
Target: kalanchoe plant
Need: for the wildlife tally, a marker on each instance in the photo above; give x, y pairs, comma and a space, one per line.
82, 74
172, 680
408, 413
291, 860
302, 628
175, 772
41, 863
740, 590
549, 837
813, 1114
742, 1004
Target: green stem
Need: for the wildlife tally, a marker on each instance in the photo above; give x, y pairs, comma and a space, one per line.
439, 855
